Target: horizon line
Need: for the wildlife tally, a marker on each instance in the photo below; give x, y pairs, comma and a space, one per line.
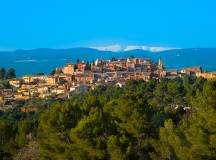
95, 48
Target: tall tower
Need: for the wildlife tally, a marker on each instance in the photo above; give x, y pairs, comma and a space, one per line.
160, 65
160, 68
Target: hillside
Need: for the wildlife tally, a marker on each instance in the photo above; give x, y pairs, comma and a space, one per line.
167, 119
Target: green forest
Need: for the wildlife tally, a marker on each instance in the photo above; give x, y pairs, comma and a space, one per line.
159, 120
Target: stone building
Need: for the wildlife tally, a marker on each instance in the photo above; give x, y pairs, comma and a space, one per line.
68, 69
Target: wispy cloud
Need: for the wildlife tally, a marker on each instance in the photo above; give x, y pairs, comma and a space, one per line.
113, 48
129, 48
147, 48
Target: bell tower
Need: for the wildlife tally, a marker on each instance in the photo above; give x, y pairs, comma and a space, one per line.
160, 67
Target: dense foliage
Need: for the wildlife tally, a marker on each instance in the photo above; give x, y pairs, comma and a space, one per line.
9, 74
166, 119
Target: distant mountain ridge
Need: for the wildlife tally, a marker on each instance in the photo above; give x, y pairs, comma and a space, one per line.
45, 59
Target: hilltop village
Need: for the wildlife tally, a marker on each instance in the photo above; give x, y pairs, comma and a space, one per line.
83, 76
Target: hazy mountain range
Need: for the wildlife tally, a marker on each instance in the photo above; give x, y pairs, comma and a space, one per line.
44, 60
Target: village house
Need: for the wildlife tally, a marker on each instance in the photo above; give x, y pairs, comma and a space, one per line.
207, 75
51, 80
123, 63
171, 72
81, 67
130, 65
58, 91
34, 78
191, 71
84, 78
27, 86
16, 83
96, 69
132, 60
69, 78
6, 99
139, 75
68, 69
112, 66
8, 94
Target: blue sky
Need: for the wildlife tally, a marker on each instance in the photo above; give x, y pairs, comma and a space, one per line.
27, 24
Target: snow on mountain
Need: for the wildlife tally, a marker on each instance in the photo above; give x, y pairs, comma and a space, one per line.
120, 48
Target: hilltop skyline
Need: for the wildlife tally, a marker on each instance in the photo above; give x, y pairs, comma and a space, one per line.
66, 24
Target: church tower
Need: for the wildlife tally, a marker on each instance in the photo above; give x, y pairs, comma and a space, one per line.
160, 68
160, 65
